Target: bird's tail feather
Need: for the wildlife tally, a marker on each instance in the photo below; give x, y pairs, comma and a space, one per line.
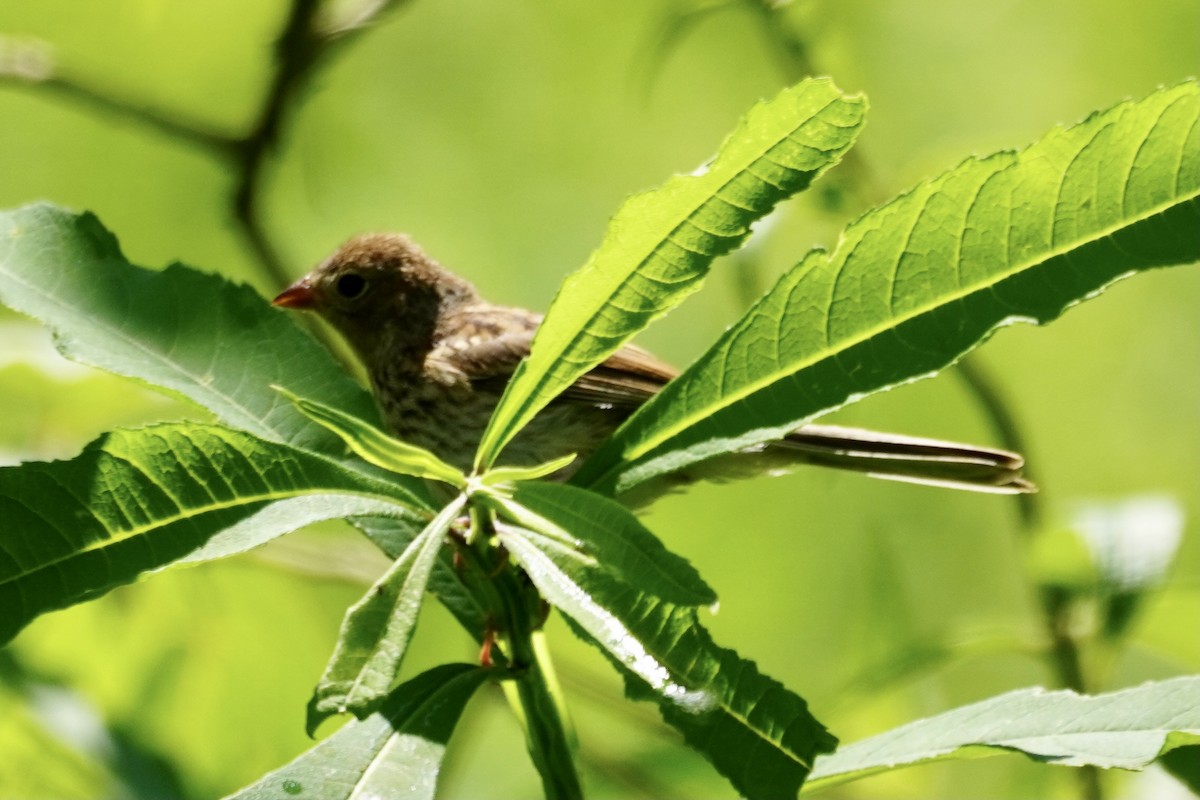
911, 459
908, 458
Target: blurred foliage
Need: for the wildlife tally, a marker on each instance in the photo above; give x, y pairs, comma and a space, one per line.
502, 137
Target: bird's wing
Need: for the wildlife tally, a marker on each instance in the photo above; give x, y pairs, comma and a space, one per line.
498, 340
625, 379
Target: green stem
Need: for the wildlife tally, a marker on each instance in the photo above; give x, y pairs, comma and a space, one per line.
517, 616
1056, 603
795, 62
546, 733
541, 711
1064, 653
1090, 787
994, 407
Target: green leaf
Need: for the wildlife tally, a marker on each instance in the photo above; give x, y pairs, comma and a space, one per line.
749, 726
377, 629
66, 270
916, 283
501, 476
375, 446
1128, 729
395, 753
586, 530
467, 606
760, 735
659, 246
1184, 764
141, 500
223, 353
565, 594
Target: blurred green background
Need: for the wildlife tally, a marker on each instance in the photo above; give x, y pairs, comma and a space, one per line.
502, 137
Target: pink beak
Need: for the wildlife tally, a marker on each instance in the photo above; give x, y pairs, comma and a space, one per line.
299, 295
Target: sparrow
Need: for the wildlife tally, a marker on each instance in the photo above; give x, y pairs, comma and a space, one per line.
439, 356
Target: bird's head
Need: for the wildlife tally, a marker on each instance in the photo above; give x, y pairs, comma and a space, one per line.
379, 288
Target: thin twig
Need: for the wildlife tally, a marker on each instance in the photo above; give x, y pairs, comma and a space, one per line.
999, 416
306, 42
193, 132
795, 62
296, 53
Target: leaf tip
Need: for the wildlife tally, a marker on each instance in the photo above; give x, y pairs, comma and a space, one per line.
314, 715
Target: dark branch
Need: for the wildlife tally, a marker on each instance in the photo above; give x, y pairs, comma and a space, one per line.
306, 40
194, 133
296, 53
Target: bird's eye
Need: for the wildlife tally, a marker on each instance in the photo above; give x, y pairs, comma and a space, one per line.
351, 285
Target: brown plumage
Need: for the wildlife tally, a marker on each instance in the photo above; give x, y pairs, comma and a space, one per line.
439, 357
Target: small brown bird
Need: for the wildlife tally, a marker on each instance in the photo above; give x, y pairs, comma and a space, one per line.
439, 357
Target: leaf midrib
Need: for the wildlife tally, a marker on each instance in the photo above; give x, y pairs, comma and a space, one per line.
251, 422
396, 732
911, 757
241, 500
577, 553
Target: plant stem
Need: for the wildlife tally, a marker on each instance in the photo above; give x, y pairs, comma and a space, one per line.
296, 53
1056, 602
516, 614
541, 710
793, 56
994, 407
546, 735
302, 46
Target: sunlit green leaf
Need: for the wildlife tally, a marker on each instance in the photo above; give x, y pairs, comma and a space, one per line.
377, 629
466, 606
659, 246
396, 752
377, 447
1128, 729
590, 531
914, 284
507, 475
753, 730
564, 593
141, 500
223, 353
